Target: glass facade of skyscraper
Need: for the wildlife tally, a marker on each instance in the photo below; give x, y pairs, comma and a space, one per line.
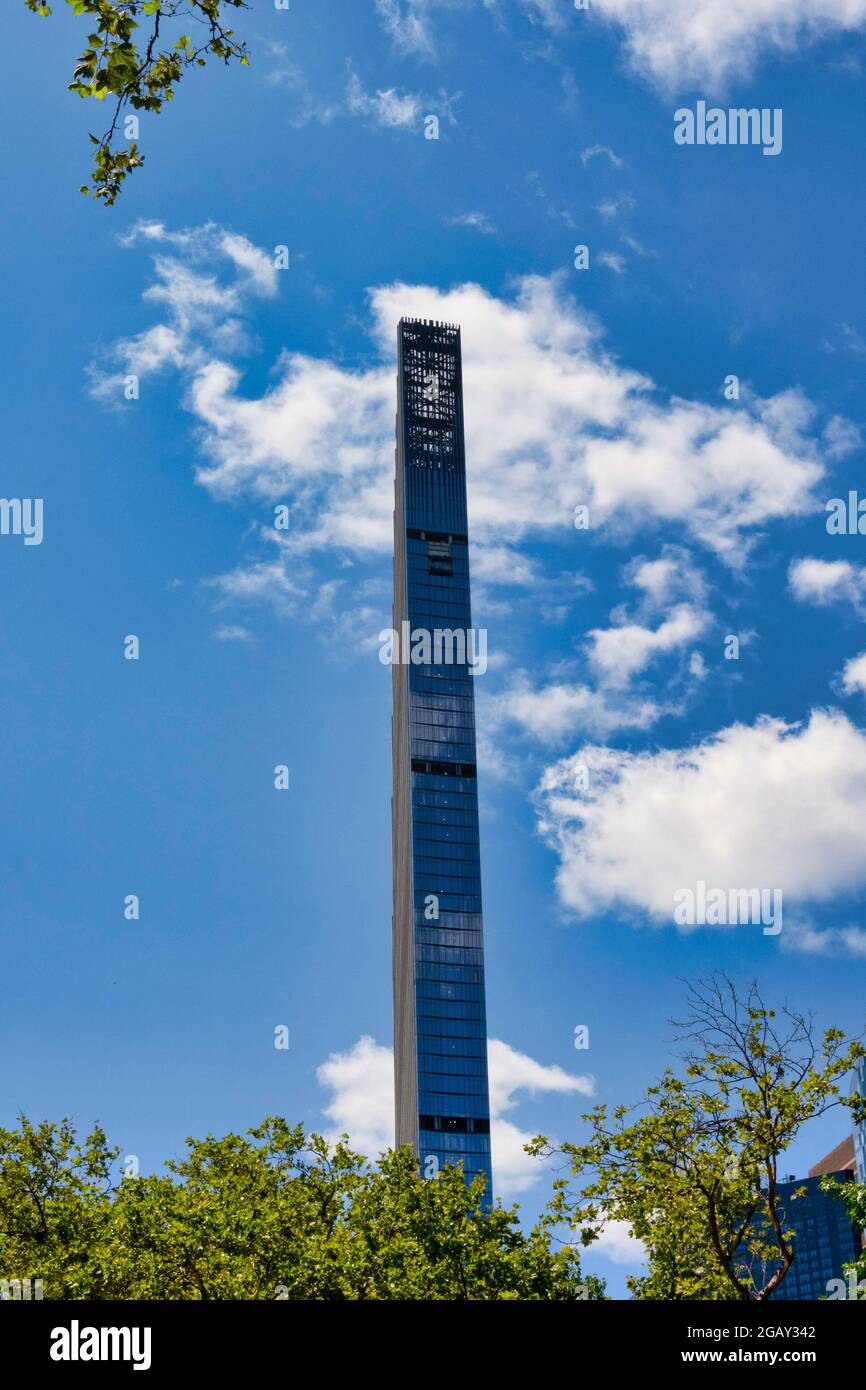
824, 1239
440, 1029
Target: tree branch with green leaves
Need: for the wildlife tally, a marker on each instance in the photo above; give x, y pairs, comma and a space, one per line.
136, 55
271, 1214
853, 1196
694, 1170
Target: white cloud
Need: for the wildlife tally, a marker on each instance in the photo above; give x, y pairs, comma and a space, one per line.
501, 564
618, 1245
551, 712
385, 107
203, 310
850, 340
770, 805
265, 580
589, 431
636, 246
362, 1103
611, 207
682, 42
804, 937
593, 151
613, 260
251, 260
477, 221
396, 110
841, 437
512, 1071
619, 653
232, 632
674, 43
854, 675
670, 576
408, 24
827, 581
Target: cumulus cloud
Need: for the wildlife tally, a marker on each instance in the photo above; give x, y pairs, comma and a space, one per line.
589, 431
512, 1071
769, 805
361, 1081
854, 675
670, 584
553, 711
673, 43
827, 581
617, 654
502, 564
681, 42
671, 575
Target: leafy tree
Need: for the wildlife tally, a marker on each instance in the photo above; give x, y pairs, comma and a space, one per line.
273, 1214
853, 1195
54, 1196
695, 1175
137, 53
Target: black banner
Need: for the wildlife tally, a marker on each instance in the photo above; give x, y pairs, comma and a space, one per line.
151, 1339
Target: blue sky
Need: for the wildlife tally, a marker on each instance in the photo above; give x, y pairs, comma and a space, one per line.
257, 387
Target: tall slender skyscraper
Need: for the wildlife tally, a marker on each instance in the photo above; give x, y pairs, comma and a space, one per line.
440, 1030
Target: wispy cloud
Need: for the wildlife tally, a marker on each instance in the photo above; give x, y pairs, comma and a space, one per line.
612, 207
232, 632
477, 221
408, 24
394, 110
594, 151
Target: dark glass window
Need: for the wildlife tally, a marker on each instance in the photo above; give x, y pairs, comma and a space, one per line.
439, 557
